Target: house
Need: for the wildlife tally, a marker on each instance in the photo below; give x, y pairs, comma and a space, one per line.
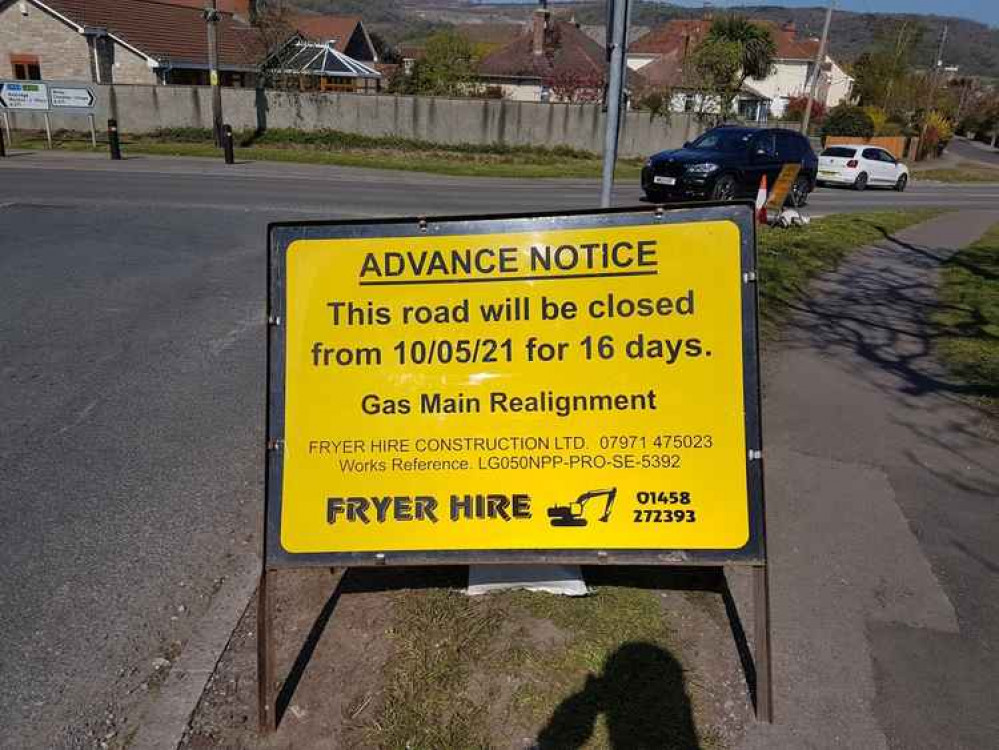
346, 34
671, 44
123, 41
324, 53
551, 60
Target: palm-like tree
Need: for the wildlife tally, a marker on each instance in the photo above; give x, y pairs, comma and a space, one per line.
757, 50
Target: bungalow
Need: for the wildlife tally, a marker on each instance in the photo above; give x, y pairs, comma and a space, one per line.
122, 41
166, 42
551, 60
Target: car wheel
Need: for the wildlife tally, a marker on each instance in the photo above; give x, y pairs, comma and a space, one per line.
798, 196
724, 189
861, 182
654, 196
903, 180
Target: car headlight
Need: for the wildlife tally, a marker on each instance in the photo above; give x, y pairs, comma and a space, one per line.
705, 168
648, 162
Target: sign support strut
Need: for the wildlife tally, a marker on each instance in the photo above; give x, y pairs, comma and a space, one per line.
762, 658
266, 708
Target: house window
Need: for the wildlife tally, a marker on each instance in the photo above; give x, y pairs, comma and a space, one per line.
26, 68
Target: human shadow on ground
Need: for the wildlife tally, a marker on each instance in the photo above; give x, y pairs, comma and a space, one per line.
643, 697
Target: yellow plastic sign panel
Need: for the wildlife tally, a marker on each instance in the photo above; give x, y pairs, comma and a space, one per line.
545, 390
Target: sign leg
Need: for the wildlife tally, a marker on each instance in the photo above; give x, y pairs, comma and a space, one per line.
266, 710
764, 668
48, 130
93, 131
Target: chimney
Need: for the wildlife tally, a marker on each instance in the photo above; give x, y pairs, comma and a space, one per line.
541, 21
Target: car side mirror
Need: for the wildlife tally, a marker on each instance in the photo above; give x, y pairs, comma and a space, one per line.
686, 144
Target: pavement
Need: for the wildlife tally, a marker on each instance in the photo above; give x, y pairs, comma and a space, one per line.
131, 354
881, 482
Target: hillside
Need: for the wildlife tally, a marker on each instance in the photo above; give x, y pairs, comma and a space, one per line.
972, 46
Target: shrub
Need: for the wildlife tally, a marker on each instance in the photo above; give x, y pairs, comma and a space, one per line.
795, 110
847, 119
879, 117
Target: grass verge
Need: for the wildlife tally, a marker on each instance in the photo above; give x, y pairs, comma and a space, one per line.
790, 258
965, 171
514, 668
968, 318
352, 150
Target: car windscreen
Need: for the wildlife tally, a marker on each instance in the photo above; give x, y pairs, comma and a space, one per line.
723, 140
846, 153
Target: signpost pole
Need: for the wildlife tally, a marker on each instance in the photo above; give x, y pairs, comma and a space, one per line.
48, 129
6, 124
614, 89
93, 130
762, 657
3, 146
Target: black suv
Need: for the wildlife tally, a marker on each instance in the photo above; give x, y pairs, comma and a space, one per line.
727, 162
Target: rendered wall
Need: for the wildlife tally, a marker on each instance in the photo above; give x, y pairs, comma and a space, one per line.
143, 109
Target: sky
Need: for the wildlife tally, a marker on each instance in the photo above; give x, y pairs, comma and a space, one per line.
986, 11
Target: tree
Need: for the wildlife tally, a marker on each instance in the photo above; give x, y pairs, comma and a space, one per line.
447, 67
387, 53
715, 70
733, 50
847, 119
883, 76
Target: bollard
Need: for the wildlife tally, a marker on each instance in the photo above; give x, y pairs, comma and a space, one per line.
227, 145
113, 143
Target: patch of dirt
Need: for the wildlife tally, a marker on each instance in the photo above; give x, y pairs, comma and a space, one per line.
405, 660
337, 686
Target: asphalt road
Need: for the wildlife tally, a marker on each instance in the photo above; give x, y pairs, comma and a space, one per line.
974, 151
131, 357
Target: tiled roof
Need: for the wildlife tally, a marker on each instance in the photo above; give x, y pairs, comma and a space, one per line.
166, 32
666, 71
490, 33
678, 34
568, 51
324, 28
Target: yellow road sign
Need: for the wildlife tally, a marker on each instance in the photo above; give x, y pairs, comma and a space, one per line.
782, 186
584, 383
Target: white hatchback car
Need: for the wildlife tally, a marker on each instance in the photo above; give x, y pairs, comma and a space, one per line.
860, 166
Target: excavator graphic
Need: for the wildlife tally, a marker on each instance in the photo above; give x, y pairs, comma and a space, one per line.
571, 514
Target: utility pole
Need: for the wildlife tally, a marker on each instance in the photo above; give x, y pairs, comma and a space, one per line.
618, 16
820, 60
212, 17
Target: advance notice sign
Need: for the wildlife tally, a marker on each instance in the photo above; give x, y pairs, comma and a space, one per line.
540, 388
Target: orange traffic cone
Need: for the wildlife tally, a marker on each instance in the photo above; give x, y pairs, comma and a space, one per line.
761, 201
